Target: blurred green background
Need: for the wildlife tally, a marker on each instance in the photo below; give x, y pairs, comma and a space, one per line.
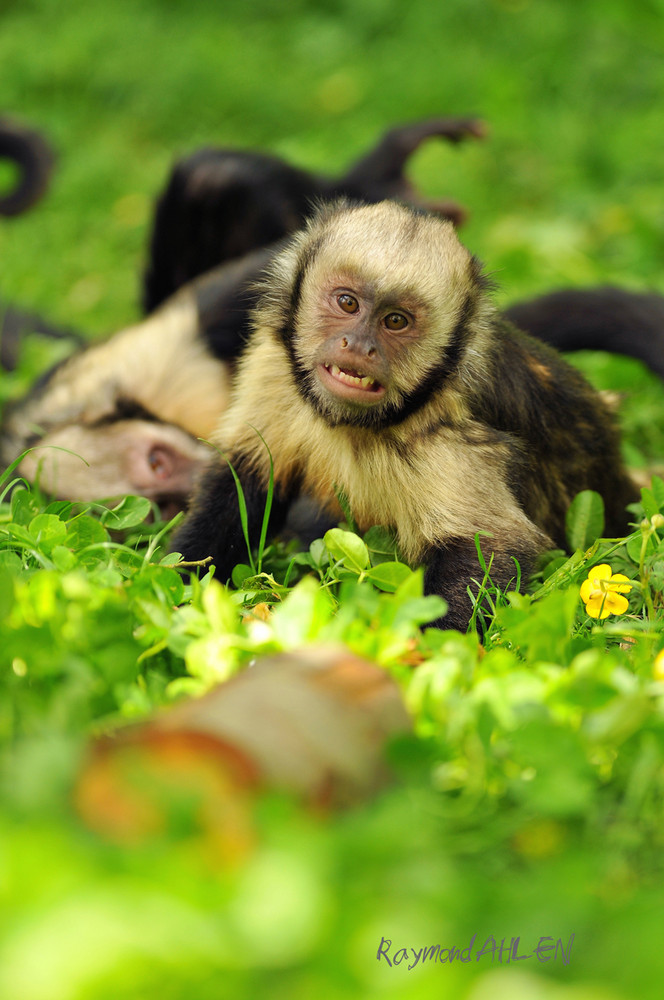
565, 190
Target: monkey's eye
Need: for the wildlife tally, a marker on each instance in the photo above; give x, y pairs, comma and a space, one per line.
396, 321
348, 303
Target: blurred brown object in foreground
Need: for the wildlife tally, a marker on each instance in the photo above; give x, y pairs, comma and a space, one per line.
313, 723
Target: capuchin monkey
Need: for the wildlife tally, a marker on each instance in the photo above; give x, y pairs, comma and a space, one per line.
30, 152
378, 366
126, 415
221, 204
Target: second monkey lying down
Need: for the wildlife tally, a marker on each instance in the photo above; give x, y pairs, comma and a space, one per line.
379, 366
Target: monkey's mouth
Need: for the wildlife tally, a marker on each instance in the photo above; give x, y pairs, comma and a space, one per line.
350, 383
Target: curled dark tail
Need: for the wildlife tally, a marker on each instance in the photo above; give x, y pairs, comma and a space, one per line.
598, 319
34, 157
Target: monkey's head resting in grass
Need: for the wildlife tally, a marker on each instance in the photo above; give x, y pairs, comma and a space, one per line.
379, 366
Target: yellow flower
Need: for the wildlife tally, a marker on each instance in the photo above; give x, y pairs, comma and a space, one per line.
658, 666
602, 592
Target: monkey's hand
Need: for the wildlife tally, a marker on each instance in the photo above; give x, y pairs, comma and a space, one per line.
213, 526
381, 171
453, 129
386, 161
450, 570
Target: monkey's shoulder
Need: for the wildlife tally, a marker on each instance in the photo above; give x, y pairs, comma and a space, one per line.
566, 436
531, 390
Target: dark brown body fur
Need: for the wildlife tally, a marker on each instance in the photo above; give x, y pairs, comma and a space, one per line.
569, 438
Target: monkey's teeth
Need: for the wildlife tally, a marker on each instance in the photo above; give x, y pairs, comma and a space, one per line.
363, 381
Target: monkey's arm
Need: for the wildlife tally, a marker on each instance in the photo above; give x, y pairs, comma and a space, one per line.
380, 174
213, 526
451, 567
385, 163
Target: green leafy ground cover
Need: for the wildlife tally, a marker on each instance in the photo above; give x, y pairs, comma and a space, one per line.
530, 802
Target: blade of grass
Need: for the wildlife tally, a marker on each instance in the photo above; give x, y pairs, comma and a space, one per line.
268, 502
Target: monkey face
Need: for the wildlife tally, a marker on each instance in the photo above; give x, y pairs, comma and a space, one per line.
357, 343
381, 313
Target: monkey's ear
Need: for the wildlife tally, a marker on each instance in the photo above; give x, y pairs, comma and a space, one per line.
161, 461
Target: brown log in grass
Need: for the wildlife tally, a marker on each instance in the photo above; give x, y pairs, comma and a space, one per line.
313, 723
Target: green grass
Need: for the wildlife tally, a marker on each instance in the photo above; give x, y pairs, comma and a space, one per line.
531, 801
